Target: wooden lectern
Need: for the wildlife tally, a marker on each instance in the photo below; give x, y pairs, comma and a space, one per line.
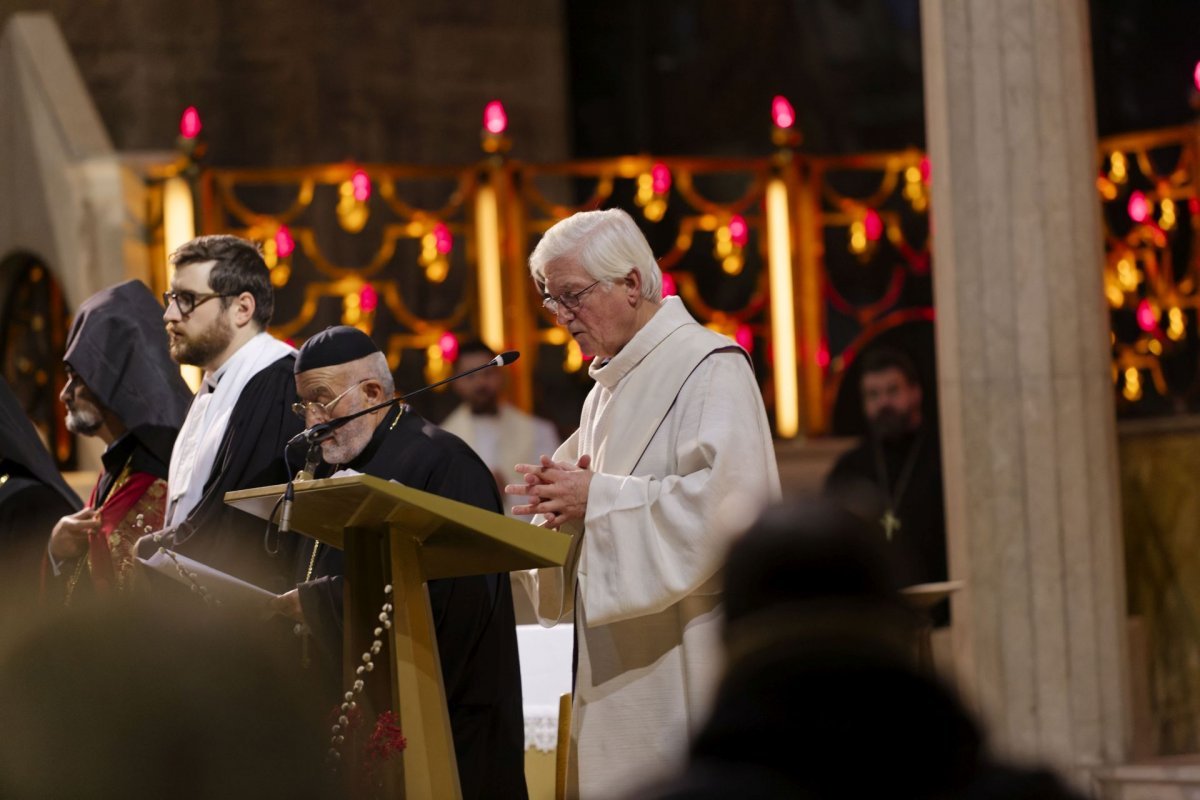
395, 534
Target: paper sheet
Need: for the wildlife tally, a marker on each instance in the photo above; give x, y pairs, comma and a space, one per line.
224, 588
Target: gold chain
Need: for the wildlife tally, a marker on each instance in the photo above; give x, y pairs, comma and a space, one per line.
312, 561
74, 579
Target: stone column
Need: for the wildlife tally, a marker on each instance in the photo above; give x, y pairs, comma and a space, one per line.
1027, 416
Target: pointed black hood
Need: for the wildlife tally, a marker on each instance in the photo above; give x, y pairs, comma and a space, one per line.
118, 346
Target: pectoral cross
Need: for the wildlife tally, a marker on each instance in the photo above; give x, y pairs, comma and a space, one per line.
890, 523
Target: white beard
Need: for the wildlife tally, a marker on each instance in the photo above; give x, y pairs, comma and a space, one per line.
84, 422
346, 444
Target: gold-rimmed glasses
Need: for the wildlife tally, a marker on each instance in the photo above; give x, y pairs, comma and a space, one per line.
321, 410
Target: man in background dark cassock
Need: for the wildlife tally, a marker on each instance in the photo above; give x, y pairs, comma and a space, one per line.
33, 495
124, 389
338, 372
240, 421
894, 475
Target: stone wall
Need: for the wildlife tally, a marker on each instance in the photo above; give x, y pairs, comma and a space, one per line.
280, 82
1160, 466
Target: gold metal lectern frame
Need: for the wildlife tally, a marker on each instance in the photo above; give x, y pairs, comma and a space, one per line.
395, 534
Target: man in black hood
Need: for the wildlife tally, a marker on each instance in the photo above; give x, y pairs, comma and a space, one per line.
33, 495
124, 389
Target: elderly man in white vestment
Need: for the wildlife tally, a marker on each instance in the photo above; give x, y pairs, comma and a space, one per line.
672, 436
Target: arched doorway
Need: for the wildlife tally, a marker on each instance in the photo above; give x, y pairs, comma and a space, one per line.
33, 332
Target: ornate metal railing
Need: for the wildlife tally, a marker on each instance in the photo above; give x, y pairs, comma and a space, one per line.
1148, 185
805, 260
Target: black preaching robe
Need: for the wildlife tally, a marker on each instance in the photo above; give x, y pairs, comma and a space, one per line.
473, 616
250, 455
919, 546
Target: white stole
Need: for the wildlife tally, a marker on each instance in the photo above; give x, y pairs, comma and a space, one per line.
200, 437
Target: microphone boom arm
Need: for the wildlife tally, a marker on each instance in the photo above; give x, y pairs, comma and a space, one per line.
323, 430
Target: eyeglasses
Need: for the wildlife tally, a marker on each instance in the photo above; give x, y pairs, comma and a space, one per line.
321, 410
567, 300
186, 302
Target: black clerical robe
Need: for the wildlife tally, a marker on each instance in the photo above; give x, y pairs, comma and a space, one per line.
33, 497
912, 491
473, 616
29, 510
250, 455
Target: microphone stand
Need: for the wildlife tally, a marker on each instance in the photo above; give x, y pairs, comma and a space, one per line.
323, 430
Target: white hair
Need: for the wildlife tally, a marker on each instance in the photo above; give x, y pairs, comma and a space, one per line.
377, 367
607, 244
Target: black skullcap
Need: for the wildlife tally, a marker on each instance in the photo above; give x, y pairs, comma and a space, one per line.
337, 345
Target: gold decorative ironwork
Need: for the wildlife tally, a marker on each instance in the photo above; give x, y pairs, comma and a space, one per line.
436, 250
1148, 187
705, 215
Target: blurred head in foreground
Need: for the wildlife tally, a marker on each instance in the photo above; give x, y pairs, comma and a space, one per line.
822, 697
126, 701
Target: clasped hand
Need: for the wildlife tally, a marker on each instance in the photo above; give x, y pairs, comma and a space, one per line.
557, 490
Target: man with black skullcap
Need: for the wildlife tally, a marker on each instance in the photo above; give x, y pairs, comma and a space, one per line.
338, 372
124, 389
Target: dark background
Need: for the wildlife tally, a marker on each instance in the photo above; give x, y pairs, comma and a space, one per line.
295, 82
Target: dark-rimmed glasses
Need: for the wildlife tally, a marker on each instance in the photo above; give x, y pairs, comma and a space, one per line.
321, 410
567, 300
186, 302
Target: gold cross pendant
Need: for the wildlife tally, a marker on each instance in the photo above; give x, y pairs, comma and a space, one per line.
890, 523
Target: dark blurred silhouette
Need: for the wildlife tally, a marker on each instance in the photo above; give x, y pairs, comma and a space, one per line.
33, 496
120, 700
822, 697
893, 477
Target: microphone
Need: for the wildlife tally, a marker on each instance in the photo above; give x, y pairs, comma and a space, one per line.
285, 516
323, 430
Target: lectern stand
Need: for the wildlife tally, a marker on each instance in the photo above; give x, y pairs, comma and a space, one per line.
923, 597
395, 534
